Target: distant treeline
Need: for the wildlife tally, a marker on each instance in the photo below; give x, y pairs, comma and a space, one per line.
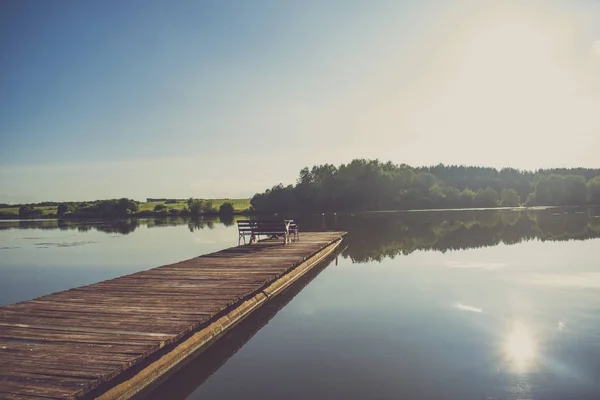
121, 208
372, 185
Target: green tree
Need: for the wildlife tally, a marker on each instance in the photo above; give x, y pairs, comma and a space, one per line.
593, 187
549, 191
452, 197
28, 211
509, 198
226, 209
62, 209
423, 182
575, 190
207, 207
467, 197
486, 198
372, 185
126, 205
436, 194
195, 206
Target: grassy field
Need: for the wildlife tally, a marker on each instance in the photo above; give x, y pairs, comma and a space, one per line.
238, 205
10, 210
149, 206
46, 210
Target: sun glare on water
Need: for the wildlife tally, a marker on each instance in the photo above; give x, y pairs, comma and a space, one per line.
520, 348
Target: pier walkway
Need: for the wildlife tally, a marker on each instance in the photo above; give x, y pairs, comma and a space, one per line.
113, 339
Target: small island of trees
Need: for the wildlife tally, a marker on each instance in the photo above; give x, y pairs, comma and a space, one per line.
370, 185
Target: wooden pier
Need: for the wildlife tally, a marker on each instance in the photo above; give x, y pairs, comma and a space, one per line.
113, 339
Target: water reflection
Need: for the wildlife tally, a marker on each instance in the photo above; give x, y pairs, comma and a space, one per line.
374, 237
512, 321
196, 224
45, 256
197, 371
520, 348
122, 227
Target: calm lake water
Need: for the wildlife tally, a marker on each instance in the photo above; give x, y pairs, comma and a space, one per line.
435, 305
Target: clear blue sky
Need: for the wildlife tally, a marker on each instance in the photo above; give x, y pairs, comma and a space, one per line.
139, 99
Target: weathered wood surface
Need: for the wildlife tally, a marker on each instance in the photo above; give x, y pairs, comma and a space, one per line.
63, 345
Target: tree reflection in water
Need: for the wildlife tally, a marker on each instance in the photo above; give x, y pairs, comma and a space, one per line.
376, 236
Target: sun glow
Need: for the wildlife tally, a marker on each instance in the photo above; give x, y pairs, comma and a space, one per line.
513, 76
520, 348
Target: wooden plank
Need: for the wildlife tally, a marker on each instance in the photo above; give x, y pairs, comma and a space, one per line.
49, 335
29, 378
46, 390
88, 348
107, 327
14, 396
88, 315
66, 344
78, 361
98, 372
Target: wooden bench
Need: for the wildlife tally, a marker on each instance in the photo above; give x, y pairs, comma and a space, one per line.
274, 229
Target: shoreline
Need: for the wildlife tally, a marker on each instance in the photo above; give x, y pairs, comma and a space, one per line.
152, 214
141, 215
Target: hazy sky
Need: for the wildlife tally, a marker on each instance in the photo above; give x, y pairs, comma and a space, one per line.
102, 99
